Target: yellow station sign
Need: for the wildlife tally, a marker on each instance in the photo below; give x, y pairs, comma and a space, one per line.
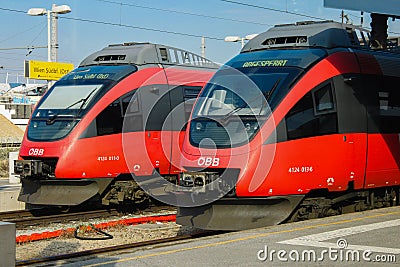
44, 70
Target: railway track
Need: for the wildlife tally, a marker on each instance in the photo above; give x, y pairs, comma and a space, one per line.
27, 218
99, 251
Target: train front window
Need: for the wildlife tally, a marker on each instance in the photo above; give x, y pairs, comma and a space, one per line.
243, 94
236, 102
67, 102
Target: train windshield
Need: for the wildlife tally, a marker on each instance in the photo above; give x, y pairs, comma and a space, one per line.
234, 93
67, 100
234, 104
71, 98
242, 94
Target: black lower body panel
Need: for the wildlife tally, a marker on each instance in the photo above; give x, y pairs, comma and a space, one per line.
239, 213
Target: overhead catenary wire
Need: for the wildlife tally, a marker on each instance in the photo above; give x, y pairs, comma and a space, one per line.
37, 36
181, 12
184, 12
273, 9
176, 32
12, 10
142, 28
285, 11
27, 30
22, 47
187, 13
126, 26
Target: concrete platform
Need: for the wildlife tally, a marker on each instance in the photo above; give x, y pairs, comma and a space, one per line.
368, 238
9, 196
7, 244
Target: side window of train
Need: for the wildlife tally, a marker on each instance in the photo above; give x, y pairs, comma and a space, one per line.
314, 115
189, 97
389, 105
132, 103
131, 112
156, 107
111, 119
182, 100
384, 105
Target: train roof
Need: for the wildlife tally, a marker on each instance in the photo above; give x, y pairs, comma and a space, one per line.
145, 53
325, 34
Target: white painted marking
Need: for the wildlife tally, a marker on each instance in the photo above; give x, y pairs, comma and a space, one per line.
315, 240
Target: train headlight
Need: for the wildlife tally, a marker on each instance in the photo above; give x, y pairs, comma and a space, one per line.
28, 167
186, 180
18, 167
199, 181
199, 126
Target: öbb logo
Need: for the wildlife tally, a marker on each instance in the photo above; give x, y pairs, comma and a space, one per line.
36, 152
208, 161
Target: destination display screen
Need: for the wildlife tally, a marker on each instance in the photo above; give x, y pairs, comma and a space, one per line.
301, 58
114, 73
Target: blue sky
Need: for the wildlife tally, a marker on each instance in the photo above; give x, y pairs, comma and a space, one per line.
118, 21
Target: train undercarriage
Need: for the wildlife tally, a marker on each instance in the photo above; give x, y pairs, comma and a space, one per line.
246, 213
40, 188
228, 213
318, 206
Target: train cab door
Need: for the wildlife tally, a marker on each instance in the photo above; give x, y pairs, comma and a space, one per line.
155, 100
383, 105
182, 100
352, 125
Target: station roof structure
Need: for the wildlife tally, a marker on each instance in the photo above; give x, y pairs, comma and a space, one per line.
386, 7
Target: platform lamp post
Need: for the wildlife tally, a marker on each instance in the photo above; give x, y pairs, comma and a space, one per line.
52, 17
239, 39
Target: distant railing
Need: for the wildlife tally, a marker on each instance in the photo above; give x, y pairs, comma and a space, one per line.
10, 144
22, 111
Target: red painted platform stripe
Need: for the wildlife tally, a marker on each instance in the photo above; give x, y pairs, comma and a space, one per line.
68, 231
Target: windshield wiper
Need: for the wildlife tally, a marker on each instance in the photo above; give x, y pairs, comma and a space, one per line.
54, 116
83, 101
267, 96
75, 103
230, 113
